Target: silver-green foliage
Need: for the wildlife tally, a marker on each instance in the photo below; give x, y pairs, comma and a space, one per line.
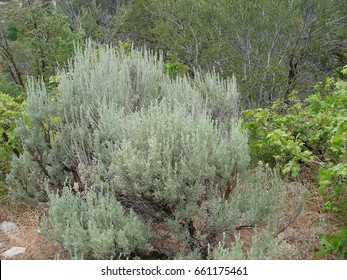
175, 157
94, 226
253, 202
43, 157
169, 151
263, 247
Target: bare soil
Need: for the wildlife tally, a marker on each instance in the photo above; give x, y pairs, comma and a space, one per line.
27, 219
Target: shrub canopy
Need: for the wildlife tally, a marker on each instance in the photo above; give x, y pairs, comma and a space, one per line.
120, 150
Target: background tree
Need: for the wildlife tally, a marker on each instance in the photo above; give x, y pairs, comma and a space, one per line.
98, 18
272, 47
35, 40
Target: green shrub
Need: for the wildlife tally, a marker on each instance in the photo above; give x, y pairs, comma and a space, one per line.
334, 244
10, 111
10, 88
313, 132
121, 149
173, 67
310, 132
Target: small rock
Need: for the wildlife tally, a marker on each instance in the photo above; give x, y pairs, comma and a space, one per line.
8, 226
1, 244
13, 251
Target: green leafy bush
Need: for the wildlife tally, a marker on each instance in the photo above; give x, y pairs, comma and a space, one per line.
173, 67
334, 244
121, 150
10, 111
10, 88
310, 132
314, 131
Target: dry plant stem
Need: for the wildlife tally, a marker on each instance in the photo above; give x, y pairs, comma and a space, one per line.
287, 221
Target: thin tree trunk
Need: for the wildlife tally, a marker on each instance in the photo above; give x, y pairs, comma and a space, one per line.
292, 74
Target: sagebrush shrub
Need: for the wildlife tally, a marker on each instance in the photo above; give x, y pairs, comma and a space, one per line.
95, 226
263, 247
130, 159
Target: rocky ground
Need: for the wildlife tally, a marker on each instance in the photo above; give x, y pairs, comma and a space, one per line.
19, 235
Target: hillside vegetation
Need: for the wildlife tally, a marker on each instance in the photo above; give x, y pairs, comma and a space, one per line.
176, 129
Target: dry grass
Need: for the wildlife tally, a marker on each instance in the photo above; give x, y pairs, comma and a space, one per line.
304, 232
28, 219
